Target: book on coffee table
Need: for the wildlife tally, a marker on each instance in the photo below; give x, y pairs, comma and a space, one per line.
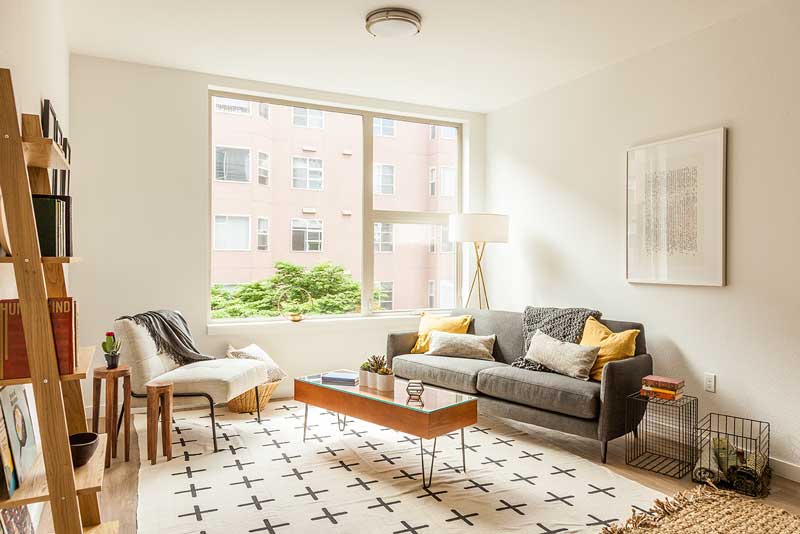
340, 378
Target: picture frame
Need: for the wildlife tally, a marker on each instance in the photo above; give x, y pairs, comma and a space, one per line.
21, 436
676, 210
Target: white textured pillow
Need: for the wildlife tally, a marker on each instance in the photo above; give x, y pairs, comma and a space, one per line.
562, 357
254, 352
462, 345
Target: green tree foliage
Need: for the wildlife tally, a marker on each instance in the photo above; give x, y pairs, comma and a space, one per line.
332, 291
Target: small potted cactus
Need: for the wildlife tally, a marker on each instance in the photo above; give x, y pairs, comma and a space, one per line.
363, 375
385, 379
111, 346
376, 363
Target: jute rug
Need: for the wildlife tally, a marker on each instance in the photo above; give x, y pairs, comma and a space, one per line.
367, 479
707, 510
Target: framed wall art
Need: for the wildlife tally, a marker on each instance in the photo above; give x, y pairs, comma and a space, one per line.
676, 210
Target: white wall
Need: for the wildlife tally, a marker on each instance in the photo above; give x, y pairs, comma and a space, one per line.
556, 163
33, 45
141, 210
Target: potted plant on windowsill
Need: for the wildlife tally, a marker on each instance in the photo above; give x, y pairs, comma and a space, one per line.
363, 375
376, 363
111, 346
385, 379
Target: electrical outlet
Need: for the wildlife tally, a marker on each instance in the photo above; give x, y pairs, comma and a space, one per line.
710, 382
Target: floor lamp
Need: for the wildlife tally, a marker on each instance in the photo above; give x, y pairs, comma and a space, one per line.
478, 229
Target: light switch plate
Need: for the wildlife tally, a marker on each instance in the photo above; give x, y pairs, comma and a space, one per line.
710, 382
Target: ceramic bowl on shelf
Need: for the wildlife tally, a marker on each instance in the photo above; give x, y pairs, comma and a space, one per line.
82, 447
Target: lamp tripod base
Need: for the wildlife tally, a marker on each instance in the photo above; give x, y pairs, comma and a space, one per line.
477, 279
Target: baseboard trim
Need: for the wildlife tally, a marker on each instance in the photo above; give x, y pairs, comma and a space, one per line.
786, 469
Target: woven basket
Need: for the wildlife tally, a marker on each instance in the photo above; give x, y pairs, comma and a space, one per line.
246, 402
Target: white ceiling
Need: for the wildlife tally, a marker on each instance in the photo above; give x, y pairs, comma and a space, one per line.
472, 54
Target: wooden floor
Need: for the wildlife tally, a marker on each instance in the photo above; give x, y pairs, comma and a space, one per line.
120, 487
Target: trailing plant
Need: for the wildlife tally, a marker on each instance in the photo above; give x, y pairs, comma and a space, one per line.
111, 344
376, 362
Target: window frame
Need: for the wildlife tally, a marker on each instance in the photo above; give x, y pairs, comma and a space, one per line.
394, 179
240, 113
259, 233
249, 233
377, 285
381, 127
305, 237
380, 242
370, 215
268, 169
260, 106
308, 122
431, 286
322, 173
433, 181
249, 165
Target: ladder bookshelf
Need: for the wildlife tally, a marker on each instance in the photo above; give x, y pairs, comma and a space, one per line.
25, 157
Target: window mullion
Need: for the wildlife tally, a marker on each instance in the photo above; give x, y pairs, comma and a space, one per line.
368, 227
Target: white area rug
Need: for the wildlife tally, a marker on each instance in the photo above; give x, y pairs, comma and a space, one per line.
367, 480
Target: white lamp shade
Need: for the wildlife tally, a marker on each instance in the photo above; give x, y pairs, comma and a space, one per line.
478, 228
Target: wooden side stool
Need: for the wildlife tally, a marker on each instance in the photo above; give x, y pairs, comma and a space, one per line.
159, 401
112, 376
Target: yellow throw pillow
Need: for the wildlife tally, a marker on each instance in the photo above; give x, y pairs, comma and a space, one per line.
431, 323
613, 345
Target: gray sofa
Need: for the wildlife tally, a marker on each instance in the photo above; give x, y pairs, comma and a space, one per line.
590, 409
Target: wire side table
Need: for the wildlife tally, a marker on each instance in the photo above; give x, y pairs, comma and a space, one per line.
661, 435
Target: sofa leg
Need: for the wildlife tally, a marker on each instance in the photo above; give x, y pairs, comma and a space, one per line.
603, 450
213, 424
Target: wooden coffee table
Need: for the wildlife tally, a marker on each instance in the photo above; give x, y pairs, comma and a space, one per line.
442, 411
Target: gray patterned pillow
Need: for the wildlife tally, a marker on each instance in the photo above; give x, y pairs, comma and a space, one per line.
462, 345
565, 358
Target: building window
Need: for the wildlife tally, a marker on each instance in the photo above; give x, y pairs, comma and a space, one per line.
233, 164
231, 232
308, 118
263, 168
383, 179
433, 132
231, 105
262, 234
306, 235
447, 294
447, 245
307, 173
431, 293
432, 181
263, 110
384, 237
448, 132
433, 246
449, 178
383, 127
384, 291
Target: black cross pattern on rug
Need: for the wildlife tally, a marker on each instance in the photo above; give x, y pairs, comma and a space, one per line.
498, 463
311, 493
198, 513
406, 474
285, 408
227, 437
520, 478
447, 467
246, 481
470, 448
193, 490
344, 465
307, 427
362, 483
546, 530
238, 465
354, 432
452, 435
296, 473
267, 431
535, 456
559, 471
183, 442
384, 458
409, 439
408, 529
327, 412
269, 527
275, 443
188, 471
607, 491
373, 446
600, 522
330, 516
218, 415
482, 487
479, 429
383, 504
501, 441
316, 437
231, 449
256, 421
330, 451
509, 506
293, 416
556, 498
187, 456
425, 452
255, 501
286, 458
434, 494
219, 425
461, 517
179, 430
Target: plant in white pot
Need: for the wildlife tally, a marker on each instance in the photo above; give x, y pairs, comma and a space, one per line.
385, 379
363, 375
376, 363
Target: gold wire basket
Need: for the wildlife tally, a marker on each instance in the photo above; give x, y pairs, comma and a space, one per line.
292, 316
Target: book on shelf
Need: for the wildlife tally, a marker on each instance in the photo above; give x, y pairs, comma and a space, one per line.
663, 382
341, 378
53, 224
673, 395
21, 438
14, 351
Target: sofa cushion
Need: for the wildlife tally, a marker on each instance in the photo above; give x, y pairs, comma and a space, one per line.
507, 326
460, 374
546, 391
223, 378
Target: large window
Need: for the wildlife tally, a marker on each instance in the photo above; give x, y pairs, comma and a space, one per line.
303, 218
233, 164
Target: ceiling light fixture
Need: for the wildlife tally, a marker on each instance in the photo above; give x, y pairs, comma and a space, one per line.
393, 22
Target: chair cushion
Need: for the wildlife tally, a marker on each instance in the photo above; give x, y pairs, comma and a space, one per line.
460, 374
223, 378
139, 352
546, 391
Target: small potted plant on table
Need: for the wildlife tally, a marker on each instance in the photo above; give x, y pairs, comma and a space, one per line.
385, 379
376, 363
111, 347
363, 375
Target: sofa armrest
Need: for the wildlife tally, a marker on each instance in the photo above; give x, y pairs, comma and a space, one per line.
620, 379
399, 343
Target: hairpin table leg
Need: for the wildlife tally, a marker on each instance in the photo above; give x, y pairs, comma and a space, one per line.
305, 423
427, 484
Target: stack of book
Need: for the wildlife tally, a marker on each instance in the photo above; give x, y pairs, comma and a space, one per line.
662, 387
340, 378
54, 224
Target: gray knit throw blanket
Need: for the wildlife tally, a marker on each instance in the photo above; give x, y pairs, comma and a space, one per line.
171, 335
564, 324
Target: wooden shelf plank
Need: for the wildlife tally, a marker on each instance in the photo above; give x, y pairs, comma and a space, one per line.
88, 479
44, 154
46, 259
85, 356
109, 527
